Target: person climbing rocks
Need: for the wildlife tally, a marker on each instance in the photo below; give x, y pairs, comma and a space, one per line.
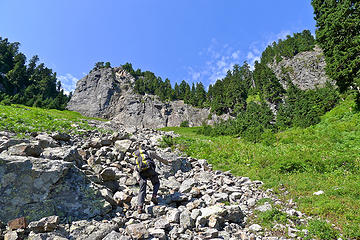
145, 167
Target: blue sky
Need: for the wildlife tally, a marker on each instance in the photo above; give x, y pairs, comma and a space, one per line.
192, 40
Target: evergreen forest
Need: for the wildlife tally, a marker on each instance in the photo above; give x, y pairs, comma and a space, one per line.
28, 83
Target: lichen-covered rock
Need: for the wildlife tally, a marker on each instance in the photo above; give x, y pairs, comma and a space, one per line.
38, 188
116, 236
18, 223
11, 236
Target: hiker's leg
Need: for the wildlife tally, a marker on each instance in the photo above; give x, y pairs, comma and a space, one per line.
142, 191
156, 184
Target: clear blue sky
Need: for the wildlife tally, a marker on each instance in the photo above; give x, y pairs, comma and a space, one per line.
194, 40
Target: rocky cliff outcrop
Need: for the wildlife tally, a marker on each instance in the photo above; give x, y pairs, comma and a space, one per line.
91, 192
98, 93
306, 70
108, 93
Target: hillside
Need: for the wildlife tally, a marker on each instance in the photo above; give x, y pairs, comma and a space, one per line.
80, 183
317, 167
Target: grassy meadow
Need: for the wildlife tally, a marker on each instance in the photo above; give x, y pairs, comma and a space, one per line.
324, 157
22, 119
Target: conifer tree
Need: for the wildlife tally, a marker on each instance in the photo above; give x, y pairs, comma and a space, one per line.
338, 33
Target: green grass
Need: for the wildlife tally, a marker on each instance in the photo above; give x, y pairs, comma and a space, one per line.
322, 157
22, 119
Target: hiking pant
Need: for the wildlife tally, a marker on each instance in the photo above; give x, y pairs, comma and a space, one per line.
144, 176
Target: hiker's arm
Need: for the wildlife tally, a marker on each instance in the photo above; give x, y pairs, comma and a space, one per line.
162, 160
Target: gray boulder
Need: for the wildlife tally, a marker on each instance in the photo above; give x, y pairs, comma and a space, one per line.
38, 188
185, 220
47, 224
25, 149
46, 141
116, 236
11, 142
83, 230
123, 145
58, 136
187, 185
68, 154
137, 231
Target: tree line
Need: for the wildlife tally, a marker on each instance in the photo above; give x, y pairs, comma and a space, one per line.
148, 83
261, 89
31, 84
247, 95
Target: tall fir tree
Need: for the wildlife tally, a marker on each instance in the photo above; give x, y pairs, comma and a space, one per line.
338, 33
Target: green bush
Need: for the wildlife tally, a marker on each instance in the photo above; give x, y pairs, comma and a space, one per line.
184, 124
167, 141
252, 124
322, 230
290, 166
304, 108
269, 218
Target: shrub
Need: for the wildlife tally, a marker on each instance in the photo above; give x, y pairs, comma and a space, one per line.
271, 217
184, 124
304, 108
167, 141
322, 229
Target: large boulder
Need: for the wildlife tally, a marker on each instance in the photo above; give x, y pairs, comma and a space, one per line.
37, 188
25, 149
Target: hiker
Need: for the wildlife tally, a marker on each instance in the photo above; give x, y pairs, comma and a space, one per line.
145, 166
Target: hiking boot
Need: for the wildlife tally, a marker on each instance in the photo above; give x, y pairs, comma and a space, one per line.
154, 200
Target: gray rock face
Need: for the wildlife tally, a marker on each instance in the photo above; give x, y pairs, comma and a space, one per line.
108, 93
37, 188
306, 70
97, 92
